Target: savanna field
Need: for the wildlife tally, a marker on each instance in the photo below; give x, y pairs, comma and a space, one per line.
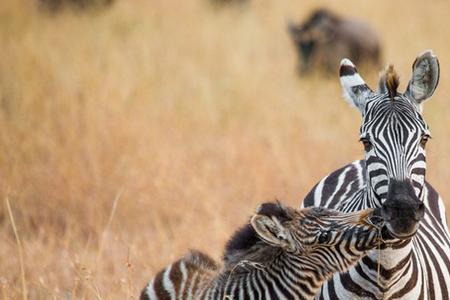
133, 133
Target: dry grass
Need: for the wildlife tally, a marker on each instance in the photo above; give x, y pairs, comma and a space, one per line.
130, 135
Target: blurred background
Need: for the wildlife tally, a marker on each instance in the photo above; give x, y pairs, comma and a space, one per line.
131, 131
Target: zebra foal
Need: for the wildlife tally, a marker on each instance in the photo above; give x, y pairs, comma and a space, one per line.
282, 253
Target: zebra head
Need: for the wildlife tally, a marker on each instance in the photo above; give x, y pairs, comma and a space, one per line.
328, 238
394, 135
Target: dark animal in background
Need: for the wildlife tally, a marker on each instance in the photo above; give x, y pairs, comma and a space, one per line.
220, 3
57, 5
325, 38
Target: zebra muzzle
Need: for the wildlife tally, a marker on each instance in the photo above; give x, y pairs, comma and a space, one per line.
402, 211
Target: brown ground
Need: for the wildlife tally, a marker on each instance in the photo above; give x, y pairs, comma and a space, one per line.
130, 135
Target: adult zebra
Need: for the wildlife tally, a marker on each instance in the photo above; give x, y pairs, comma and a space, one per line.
392, 176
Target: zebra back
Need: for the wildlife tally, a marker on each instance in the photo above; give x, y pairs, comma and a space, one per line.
182, 279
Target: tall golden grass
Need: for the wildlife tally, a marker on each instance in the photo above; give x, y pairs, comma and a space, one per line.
131, 134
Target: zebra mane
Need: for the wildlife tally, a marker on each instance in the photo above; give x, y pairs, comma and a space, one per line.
390, 80
200, 260
246, 245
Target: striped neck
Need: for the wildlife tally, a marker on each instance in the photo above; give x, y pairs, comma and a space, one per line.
388, 268
287, 276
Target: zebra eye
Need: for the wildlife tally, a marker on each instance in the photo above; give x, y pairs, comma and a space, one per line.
367, 144
424, 140
324, 237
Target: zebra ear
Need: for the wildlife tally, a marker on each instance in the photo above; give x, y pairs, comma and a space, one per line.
425, 77
271, 231
354, 87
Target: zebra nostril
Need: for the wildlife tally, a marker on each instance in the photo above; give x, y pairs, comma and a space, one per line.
420, 211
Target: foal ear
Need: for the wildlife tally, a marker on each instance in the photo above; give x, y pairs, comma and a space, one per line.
354, 87
425, 77
271, 231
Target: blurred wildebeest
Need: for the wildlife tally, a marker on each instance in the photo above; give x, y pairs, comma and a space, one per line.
325, 38
228, 2
56, 5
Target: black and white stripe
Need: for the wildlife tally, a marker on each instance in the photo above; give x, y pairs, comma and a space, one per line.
394, 134
281, 254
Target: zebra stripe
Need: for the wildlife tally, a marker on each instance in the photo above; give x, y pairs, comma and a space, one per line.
150, 291
427, 252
